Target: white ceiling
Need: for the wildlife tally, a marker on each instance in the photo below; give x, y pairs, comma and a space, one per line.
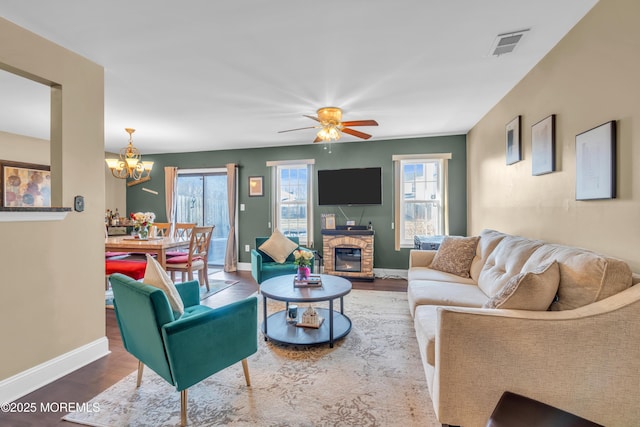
207, 75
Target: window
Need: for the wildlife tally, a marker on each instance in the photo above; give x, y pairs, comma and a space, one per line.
292, 199
420, 199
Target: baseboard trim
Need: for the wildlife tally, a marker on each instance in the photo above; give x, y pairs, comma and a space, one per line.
244, 266
390, 273
32, 379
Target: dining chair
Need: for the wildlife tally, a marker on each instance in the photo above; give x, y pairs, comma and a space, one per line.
196, 259
163, 229
181, 231
183, 349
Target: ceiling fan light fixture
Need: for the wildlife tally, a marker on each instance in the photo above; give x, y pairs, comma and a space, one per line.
329, 133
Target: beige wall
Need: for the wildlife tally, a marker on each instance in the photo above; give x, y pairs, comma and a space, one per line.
115, 189
20, 148
52, 289
591, 76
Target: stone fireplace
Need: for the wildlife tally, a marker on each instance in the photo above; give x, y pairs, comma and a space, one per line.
348, 253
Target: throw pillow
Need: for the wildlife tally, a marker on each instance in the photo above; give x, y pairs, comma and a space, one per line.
533, 290
157, 277
455, 255
278, 246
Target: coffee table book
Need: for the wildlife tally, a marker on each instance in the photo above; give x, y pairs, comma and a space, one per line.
311, 325
311, 282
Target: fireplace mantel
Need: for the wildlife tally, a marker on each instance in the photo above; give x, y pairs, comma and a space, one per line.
348, 232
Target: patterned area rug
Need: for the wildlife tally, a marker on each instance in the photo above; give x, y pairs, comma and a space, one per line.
215, 286
372, 377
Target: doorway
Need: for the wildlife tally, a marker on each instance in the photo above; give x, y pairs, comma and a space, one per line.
202, 199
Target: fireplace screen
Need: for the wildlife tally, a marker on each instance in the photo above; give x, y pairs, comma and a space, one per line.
348, 259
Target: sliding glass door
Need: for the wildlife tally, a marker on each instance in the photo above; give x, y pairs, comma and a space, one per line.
202, 199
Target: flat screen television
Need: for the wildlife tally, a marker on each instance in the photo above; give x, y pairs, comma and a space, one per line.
356, 186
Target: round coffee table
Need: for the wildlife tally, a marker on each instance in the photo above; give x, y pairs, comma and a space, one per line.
335, 326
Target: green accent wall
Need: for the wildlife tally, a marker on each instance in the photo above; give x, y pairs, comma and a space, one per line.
254, 221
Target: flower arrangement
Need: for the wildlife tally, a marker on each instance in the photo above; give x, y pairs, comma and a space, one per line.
302, 258
142, 219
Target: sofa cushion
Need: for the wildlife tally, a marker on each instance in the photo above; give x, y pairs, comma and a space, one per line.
427, 292
425, 324
157, 277
278, 246
455, 255
426, 273
505, 261
533, 290
585, 276
489, 239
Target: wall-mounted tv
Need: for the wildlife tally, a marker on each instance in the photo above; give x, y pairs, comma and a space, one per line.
357, 186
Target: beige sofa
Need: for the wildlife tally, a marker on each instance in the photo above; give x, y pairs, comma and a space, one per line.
581, 355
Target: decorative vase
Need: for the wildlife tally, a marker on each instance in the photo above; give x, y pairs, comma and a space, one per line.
303, 272
143, 232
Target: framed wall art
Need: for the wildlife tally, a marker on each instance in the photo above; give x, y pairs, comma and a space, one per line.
256, 186
513, 149
25, 184
543, 146
328, 221
596, 163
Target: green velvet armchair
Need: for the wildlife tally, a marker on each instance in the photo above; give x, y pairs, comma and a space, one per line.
188, 349
264, 267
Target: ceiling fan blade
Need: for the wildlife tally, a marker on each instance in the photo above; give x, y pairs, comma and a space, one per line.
317, 139
356, 133
312, 117
291, 130
360, 123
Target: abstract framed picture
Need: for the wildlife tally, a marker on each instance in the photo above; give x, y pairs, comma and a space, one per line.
513, 149
596, 163
25, 185
256, 187
543, 146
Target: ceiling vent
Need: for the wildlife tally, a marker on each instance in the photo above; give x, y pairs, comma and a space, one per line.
507, 42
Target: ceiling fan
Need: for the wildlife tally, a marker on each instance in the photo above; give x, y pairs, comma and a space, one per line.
331, 125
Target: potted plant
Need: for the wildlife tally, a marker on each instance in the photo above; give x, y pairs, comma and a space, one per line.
303, 260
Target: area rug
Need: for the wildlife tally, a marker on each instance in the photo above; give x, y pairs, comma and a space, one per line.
215, 286
372, 377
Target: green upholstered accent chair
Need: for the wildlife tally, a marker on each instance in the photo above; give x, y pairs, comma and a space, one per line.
185, 350
264, 267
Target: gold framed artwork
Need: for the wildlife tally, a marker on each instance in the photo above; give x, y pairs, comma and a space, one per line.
25, 185
256, 186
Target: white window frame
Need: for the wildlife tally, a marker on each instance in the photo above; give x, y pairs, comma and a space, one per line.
399, 202
276, 166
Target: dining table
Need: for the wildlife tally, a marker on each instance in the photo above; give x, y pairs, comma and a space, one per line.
153, 245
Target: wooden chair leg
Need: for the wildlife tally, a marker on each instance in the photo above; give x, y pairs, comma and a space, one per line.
140, 369
245, 368
183, 408
205, 271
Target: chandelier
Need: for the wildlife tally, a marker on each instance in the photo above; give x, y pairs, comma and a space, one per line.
130, 164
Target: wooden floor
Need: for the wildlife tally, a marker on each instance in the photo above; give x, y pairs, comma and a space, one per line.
86, 382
